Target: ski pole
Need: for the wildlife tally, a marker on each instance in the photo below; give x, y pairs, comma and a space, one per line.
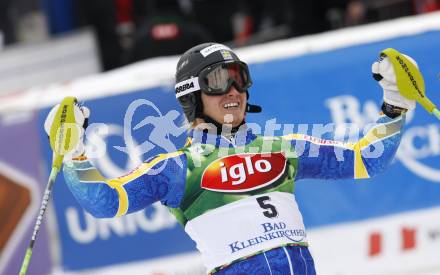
64, 135
410, 81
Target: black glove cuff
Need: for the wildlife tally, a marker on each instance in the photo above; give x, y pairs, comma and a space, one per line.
392, 111
377, 77
86, 123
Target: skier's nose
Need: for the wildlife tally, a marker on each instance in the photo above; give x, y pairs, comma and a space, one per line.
233, 91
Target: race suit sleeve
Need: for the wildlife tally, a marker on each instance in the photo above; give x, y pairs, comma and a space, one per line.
161, 179
329, 159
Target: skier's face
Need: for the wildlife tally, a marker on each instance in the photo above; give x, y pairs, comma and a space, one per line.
226, 109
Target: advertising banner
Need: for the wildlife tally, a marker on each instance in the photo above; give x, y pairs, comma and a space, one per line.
21, 188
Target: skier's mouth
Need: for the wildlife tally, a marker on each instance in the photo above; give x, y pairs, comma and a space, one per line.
231, 105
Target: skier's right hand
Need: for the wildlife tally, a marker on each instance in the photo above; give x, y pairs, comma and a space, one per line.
81, 114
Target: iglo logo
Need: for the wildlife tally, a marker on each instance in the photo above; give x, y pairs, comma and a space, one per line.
243, 172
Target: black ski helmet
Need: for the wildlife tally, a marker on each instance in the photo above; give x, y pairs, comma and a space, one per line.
189, 66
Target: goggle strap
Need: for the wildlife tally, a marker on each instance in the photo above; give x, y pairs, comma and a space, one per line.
187, 86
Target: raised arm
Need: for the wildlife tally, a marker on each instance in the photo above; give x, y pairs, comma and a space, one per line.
330, 159
161, 179
370, 155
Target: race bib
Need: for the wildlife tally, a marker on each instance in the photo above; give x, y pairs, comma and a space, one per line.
244, 227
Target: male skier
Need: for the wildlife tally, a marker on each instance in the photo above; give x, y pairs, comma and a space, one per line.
232, 190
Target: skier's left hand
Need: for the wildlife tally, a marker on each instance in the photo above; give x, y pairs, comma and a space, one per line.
383, 72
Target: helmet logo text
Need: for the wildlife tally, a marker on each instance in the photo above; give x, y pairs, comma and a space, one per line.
187, 86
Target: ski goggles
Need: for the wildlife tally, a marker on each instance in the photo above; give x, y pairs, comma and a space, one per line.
217, 80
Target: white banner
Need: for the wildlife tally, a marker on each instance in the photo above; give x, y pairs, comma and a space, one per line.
403, 244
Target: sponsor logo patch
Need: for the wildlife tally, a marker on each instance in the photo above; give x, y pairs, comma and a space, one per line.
213, 48
187, 86
226, 55
243, 172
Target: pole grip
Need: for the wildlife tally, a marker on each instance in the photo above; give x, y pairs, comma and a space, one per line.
64, 133
410, 82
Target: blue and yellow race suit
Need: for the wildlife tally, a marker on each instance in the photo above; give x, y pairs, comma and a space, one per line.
235, 198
